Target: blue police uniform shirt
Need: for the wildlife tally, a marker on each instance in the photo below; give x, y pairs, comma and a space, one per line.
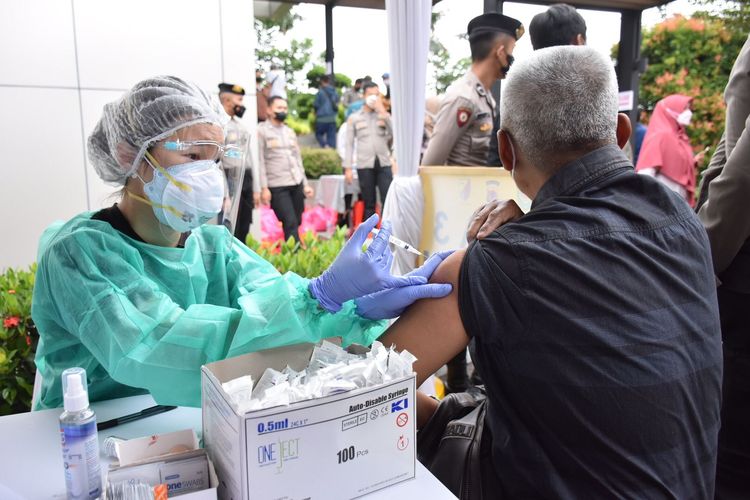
595, 327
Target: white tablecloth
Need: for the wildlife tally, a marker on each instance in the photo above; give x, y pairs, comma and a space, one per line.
31, 465
331, 190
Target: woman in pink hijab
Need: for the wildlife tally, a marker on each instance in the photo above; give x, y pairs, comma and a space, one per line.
666, 153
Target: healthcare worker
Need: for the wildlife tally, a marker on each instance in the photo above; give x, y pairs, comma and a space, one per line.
119, 295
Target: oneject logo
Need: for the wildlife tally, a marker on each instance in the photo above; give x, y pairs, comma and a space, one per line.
278, 453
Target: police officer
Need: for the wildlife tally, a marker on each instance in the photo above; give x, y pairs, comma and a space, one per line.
231, 97
282, 176
370, 129
464, 123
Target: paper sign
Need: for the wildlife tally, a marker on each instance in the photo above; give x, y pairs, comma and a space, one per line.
625, 100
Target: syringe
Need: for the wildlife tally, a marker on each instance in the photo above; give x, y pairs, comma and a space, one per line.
401, 244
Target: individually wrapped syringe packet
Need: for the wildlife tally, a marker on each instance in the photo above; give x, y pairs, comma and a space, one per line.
331, 370
269, 379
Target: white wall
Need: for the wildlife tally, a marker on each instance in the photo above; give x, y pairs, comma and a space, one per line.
62, 60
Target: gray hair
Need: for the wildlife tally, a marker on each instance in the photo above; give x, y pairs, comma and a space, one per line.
560, 99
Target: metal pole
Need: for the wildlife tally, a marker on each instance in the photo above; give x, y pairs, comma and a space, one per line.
628, 56
329, 38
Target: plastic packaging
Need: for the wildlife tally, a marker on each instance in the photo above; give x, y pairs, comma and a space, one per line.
331, 370
109, 447
80, 442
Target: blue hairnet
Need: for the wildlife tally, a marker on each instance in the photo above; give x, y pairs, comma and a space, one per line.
151, 111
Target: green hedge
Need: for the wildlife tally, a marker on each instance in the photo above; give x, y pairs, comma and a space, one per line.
320, 161
308, 258
18, 341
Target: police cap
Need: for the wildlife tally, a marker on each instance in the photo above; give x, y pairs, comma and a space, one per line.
234, 89
495, 23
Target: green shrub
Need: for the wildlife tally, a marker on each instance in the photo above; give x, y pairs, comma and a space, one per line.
301, 105
316, 73
309, 258
300, 127
320, 161
18, 341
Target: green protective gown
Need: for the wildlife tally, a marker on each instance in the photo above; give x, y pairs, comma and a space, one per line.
144, 318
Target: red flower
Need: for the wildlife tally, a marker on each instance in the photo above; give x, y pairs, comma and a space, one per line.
11, 321
28, 340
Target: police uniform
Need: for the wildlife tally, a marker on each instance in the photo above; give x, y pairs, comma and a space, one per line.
282, 172
374, 137
462, 136
237, 134
463, 128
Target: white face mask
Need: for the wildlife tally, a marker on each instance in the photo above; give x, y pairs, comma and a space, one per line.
189, 196
685, 117
371, 101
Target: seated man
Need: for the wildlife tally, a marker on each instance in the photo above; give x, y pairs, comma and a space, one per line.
593, 317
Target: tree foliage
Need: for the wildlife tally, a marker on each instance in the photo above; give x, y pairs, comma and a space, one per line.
293, 56
340, 80
692, 56
736, 13
445, 70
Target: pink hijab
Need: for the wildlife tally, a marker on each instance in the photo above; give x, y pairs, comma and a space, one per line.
666, 146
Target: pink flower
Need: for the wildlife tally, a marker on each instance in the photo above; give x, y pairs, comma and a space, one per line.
11, 321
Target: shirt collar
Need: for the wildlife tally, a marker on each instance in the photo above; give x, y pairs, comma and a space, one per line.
586, 170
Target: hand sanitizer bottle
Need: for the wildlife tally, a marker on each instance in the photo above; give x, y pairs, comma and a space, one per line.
80, 441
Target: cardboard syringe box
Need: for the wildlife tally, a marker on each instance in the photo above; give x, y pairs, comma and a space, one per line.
337, 447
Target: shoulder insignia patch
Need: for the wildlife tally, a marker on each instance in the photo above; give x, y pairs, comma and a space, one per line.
462, 116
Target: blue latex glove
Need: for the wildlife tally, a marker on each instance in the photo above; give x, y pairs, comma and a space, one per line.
391, 303
355, 273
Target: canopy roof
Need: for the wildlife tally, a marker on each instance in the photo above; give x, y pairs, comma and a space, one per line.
264, 8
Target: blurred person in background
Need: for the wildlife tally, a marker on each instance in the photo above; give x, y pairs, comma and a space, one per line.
282, 175
353, 94
326, 107
666, 153
231, 97
369, 131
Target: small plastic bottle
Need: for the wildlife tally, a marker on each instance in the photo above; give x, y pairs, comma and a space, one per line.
80, 441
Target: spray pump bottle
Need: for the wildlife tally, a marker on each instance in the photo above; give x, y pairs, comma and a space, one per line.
80, 441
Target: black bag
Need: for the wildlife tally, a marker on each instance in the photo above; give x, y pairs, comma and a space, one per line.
450, 444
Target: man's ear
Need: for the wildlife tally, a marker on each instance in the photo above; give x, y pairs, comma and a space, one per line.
624, 129
505, 151
579, 40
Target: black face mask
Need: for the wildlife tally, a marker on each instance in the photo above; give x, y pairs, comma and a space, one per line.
281, 116
505, 69
258, 79
239, 110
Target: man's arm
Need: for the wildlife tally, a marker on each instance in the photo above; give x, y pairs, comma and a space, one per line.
725, 213
431, 329
349, 154
262, 177
737, 98
453, 120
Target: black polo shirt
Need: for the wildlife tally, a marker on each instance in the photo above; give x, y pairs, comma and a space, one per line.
596, 330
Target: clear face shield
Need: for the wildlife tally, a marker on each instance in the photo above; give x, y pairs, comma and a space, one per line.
194, 182
230, 159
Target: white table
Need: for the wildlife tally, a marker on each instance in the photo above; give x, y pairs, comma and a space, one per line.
31, 465
331, 190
